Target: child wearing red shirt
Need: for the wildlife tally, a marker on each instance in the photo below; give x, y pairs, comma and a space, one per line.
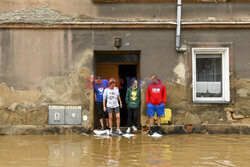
156, 98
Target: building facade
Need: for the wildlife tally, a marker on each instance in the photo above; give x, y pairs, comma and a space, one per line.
50, 50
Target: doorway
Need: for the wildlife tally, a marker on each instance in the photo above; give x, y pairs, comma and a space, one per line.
126, 73
123, 66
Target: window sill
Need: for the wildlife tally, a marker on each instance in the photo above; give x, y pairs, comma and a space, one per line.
210, 101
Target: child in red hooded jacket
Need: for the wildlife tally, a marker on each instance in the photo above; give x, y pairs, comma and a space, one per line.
155, 98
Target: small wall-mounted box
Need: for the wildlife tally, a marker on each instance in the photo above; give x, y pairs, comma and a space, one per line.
56, 115
65, 115
73, 115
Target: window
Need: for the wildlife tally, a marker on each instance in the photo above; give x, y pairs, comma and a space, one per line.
210, 75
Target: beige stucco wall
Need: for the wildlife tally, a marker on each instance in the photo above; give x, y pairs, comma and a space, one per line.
40, 67
43, 67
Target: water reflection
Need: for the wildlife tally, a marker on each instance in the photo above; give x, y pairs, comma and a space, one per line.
61, 153
168, 151
108, 151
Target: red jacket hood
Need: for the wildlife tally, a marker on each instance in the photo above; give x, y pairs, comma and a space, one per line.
158, 82
156, 93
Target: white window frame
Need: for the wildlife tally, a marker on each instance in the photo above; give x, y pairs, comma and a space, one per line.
225, 75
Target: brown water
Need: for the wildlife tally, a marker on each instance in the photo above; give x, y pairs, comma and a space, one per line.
168, 151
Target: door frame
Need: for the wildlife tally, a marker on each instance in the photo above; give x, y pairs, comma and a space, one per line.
101, 52
117, 63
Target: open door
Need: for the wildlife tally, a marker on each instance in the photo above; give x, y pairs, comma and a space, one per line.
107, 70
123, 67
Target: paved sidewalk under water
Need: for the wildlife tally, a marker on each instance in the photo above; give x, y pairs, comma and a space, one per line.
88, 150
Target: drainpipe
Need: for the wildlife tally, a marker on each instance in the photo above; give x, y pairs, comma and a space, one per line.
179, 48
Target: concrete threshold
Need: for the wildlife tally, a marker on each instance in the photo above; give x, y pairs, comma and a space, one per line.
167, 129
207, 129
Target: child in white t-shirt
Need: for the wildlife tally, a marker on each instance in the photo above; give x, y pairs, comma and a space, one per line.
112, 95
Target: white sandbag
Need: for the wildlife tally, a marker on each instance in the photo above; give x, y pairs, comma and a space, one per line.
156, 135
128, 135
100, 132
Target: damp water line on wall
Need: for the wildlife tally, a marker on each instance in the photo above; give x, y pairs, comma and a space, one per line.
179, 47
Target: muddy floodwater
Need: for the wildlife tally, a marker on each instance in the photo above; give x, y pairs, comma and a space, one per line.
167, 151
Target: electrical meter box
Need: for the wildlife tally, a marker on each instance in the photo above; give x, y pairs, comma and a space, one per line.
73, 115
56, 115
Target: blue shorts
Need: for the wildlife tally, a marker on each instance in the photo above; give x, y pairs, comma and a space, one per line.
159, 109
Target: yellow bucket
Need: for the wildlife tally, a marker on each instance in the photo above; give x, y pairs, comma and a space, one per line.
165, 119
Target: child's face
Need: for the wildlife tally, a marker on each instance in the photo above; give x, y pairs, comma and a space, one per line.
154, 80
98, 81
135, 83
112, 84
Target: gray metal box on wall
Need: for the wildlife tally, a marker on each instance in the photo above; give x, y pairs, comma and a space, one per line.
56, 115
73, 115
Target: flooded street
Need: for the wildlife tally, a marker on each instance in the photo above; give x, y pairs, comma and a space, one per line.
168, 151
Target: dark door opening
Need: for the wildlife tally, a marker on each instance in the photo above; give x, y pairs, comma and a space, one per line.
119, 65
126, 73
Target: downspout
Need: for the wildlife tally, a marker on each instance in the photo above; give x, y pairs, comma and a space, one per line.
178, 46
